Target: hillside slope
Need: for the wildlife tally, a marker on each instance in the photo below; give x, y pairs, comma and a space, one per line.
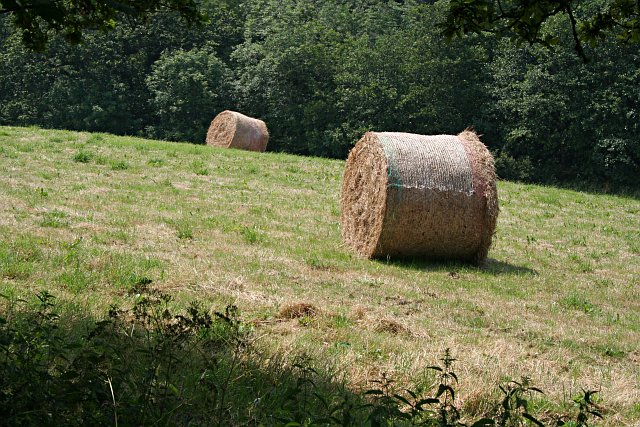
87, 216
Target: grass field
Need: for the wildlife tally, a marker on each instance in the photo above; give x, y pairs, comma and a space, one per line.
87, 216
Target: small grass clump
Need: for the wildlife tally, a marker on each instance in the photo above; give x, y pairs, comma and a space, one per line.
578, 302
251, 234
199, 168
156, 162
82, 157
119, 165
54, 219
298, 310
184, 231
392, 327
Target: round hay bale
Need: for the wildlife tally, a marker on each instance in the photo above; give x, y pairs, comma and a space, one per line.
407, 195
231, 129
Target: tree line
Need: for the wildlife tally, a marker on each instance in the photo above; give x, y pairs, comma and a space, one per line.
321, 73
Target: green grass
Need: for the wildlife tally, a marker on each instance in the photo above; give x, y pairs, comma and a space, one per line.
88, 216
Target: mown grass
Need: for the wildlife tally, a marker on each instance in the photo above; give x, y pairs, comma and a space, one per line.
89, 216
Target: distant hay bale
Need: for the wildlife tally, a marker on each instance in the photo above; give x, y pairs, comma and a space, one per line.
231, 129
407, 195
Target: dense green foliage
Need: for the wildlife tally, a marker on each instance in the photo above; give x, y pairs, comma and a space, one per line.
148, 365
37, 20
524, 20
322, 73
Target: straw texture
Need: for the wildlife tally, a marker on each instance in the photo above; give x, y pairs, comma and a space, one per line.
407, 195
231, 129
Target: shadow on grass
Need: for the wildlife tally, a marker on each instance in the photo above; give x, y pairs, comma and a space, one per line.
150, 366
490, 266
497, 267
147, 365
592, 189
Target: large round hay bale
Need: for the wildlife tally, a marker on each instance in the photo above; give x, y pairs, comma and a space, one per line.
231, 129
407, 195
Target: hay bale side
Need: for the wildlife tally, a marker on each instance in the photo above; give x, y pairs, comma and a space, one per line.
364, 195
231, 129
484, 184
407, 195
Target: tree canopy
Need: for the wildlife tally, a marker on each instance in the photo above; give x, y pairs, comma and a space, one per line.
321, 73
38, 20
524, 19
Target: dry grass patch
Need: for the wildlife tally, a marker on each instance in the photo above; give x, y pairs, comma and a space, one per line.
298, 310
392, 327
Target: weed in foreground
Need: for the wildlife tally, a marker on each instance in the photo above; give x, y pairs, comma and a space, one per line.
147, 365
139, 366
